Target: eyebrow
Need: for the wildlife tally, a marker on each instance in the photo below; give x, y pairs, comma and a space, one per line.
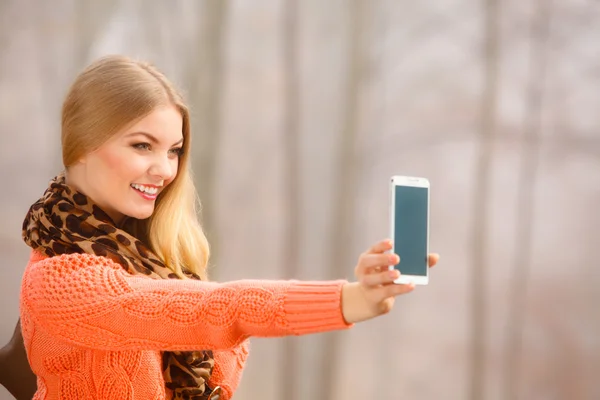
152, 138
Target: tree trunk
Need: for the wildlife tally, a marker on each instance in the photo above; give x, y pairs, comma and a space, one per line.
525, 208
205, 79
344, 194
290, 359
479, 275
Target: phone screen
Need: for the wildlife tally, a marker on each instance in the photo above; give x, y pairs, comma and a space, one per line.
410, 229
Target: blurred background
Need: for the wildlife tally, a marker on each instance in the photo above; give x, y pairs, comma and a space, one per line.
302, 111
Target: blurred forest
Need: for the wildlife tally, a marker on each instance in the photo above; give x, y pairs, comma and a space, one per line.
302, 110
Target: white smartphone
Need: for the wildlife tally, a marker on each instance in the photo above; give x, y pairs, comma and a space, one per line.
409, 220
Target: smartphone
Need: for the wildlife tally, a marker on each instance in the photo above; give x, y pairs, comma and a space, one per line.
409, 212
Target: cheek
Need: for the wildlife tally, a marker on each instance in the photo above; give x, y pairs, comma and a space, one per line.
121, 164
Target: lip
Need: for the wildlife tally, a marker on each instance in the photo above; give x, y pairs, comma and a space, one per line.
147, 196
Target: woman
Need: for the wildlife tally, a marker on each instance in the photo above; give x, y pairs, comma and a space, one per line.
115, 300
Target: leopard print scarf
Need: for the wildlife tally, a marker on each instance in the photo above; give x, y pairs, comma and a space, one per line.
66, 221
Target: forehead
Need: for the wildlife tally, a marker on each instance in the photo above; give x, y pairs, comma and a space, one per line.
164, 123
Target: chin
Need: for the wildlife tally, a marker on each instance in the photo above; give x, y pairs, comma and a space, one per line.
141, 214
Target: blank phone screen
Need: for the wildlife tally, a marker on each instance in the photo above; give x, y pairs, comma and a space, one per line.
410, 229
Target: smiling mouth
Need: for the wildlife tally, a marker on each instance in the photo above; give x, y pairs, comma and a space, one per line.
151, 191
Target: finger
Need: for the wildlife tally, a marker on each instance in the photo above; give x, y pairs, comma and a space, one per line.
381, 268
381, 247
374, 263
433, 259
394, 290
380, 278
370, 262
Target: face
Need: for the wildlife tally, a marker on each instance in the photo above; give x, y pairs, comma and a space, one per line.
125, 175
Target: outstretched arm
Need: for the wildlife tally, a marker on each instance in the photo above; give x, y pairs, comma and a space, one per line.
92, 302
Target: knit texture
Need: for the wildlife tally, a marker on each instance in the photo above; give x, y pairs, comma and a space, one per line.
66, 221
92, 331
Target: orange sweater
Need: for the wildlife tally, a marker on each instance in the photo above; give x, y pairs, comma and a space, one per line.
93, 331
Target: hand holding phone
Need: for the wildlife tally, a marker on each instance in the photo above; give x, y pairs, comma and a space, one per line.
374, 292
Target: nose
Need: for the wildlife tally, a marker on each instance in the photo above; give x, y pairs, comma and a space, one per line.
163, 167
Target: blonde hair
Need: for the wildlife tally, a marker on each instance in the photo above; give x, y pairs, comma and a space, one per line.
110, 94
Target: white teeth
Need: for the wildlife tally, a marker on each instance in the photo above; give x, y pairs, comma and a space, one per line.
145, 189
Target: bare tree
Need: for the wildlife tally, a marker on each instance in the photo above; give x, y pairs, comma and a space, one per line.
5, 31
205, 78
290, 125
91, 18
344, 194
481, 198
530, 150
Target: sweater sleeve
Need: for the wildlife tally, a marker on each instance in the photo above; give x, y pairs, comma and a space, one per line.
229, 365
92, 302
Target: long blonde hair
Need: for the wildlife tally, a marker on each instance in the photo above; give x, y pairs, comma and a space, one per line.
110, 94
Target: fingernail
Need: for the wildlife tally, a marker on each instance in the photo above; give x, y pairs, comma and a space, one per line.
394, 274
393, 259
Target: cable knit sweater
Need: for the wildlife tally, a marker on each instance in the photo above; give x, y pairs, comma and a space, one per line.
92, 331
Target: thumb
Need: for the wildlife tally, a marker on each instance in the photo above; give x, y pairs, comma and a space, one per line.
386, 305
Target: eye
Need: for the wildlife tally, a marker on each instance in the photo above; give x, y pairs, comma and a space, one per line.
141, 146
178, 151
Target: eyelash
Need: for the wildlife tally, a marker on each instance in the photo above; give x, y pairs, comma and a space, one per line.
141, 146
178, 151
